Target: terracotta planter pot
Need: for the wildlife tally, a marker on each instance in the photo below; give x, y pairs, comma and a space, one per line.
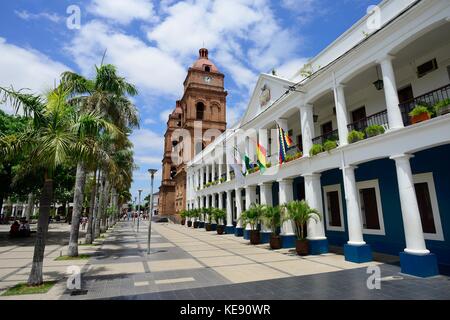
419, 118
220, 229
302, 247
183, 222
196, 224
254, 237
275, 242
189, 224
208, 227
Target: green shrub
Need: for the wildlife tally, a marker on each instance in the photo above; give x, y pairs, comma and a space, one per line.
418, 110
354, 136
316, 149
329, 145
441, 104
374, 130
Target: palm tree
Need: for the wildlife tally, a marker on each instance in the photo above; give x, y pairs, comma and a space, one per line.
253, 215
272, 218
300, 213
106, 93
58, 134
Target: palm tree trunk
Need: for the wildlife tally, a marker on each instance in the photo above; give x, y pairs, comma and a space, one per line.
98, 201
45, 202
90, 228
105, 205
29, 206
78, 196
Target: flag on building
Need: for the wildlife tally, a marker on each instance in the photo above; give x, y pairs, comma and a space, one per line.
236, 164
240, 161
248, 165
289, 142
262, 157
282, 146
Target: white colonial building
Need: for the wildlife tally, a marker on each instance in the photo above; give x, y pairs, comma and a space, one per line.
386, 193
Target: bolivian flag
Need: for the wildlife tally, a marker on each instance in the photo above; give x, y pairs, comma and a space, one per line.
262, 157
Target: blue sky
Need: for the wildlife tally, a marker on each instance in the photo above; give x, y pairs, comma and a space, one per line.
154, 42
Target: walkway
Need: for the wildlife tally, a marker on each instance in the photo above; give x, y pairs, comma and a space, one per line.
16, 256
194, 264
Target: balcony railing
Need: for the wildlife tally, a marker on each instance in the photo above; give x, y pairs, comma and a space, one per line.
333, 135
429, 99
379, 118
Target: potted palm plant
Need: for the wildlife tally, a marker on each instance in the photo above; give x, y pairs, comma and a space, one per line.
272, 219
188, 215
195, 214
183, 217
208, 218
219, 216
300, 212
253, 217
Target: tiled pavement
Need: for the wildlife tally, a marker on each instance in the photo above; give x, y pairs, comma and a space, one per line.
194, 264
16, 256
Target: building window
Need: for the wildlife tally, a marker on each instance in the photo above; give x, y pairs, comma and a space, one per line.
300, 142
333, 208
327, 127
428, 206
200, 109
371, 210
207, 68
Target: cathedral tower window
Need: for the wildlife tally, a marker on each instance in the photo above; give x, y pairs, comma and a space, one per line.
200, 108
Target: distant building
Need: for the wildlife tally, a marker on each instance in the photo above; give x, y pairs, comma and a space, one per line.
203, 106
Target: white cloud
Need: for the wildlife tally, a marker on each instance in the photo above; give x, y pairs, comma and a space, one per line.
148, 67
164, 116
306, 10
147, 160
289, 69
123, 12
145, 140
149, 121
27, 68
25, 15
243, 36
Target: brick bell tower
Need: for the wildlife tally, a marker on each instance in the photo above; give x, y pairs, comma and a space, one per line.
204, 100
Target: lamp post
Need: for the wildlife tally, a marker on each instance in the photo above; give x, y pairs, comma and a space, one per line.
152, 176
134, 211
139, 209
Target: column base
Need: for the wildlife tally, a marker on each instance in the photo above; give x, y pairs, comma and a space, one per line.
419, 265
357, 254
288, 240
229, 229
265, 236
247, 234
239, 232
201, 224
317, 247
213, 226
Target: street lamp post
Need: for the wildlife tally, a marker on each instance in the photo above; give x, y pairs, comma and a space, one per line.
139, 209
134, 211
152, 176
